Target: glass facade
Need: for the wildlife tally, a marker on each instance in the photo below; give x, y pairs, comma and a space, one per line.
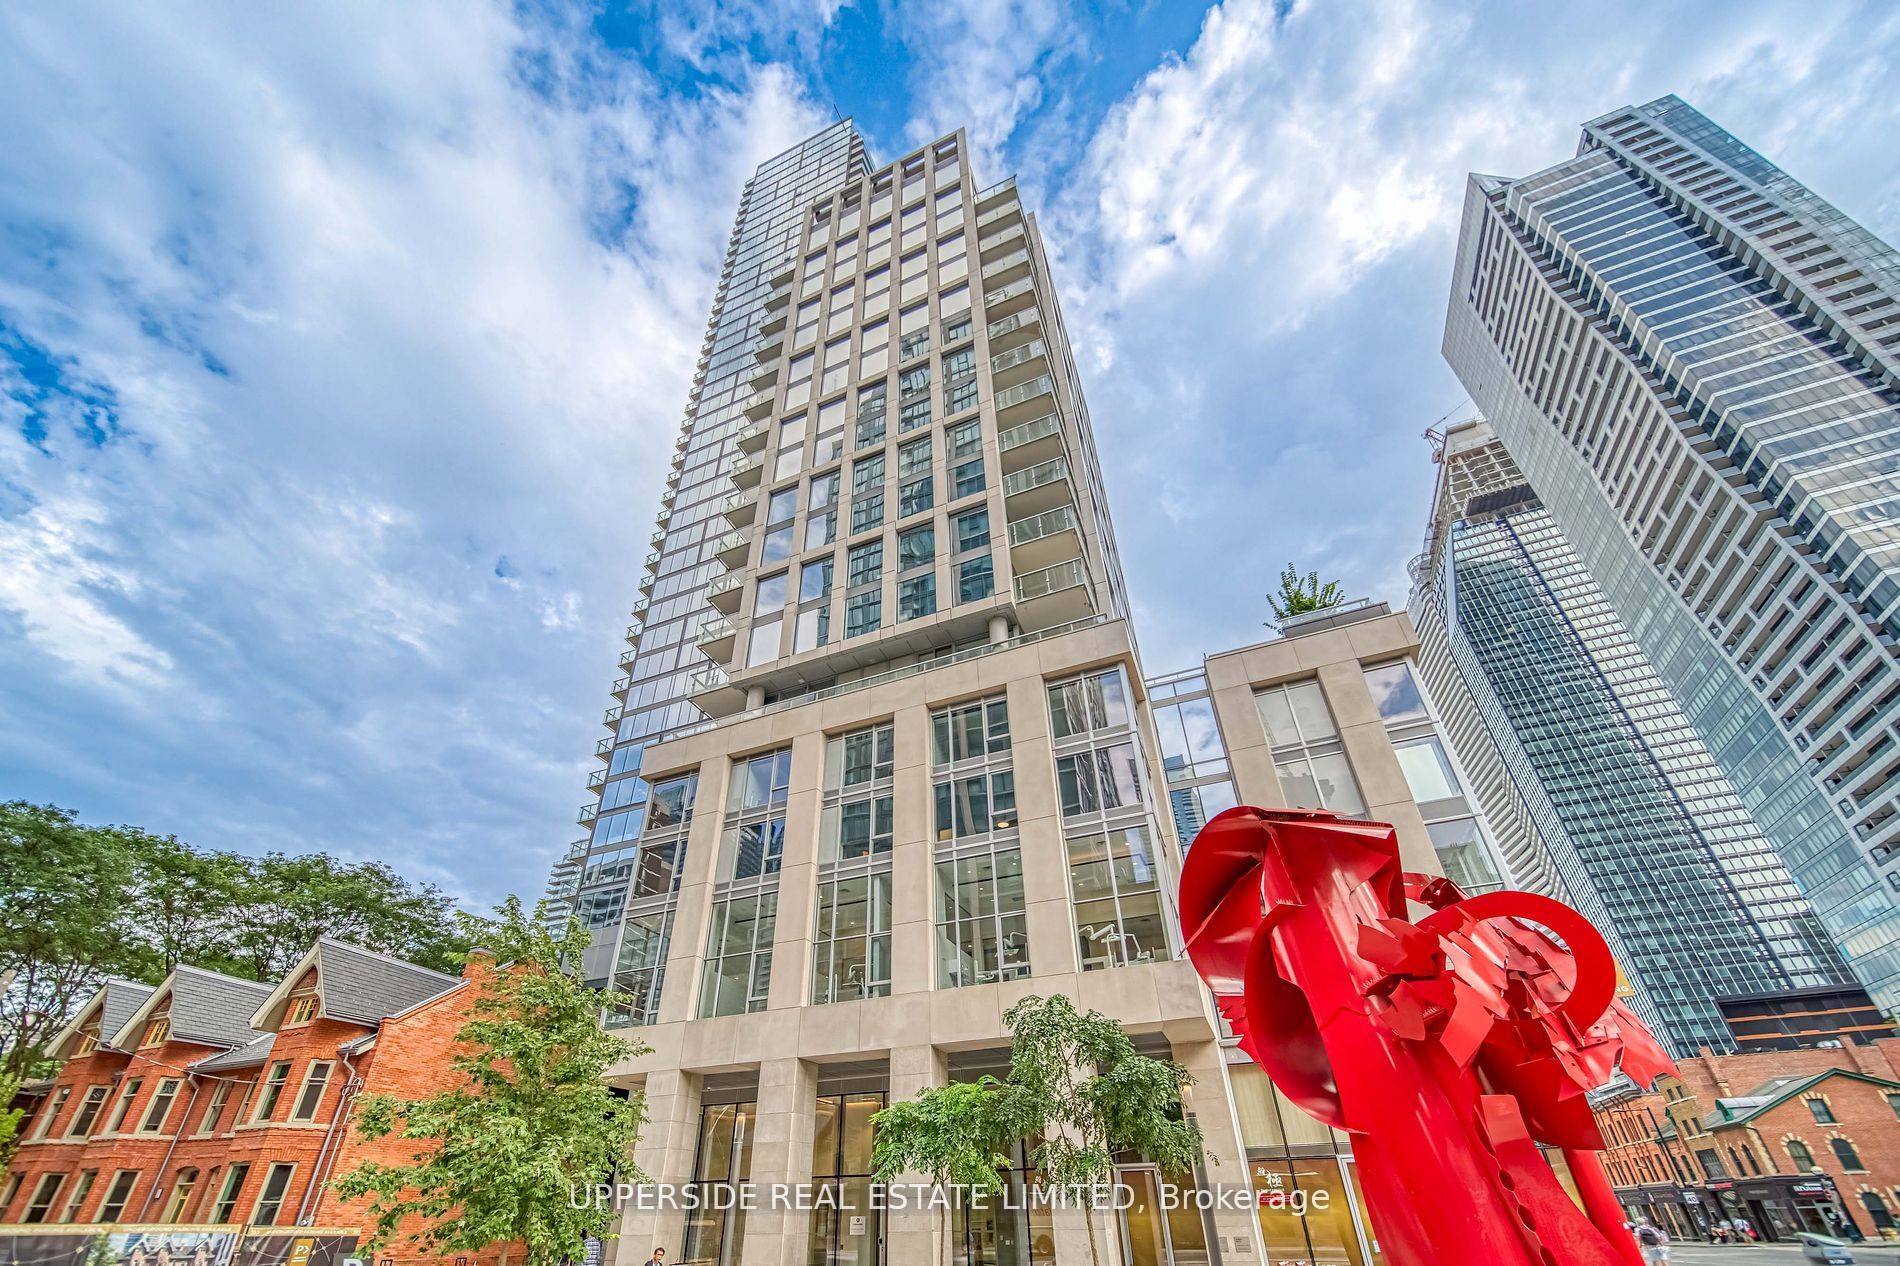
1687, 353
663, 656
1647, 833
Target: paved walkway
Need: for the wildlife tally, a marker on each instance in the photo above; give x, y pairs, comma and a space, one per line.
1785, 1254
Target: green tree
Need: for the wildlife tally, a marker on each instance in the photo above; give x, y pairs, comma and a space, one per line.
498, 1155
953, 1135
287, 901
1300, 594
184, 901
1080, 1091
64, 923
9, 1117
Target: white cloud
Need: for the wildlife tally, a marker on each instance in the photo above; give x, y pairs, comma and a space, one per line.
377, 296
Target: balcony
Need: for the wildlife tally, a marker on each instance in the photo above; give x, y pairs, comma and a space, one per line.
587, 814
620, 687
1039, 488
1007, 185
1017, 364
780, 299
731, 550
764, 376
723, 594
611, 718
716, 638
627, 657
747, 470
1043, 540
740, 508
752, 439
596, 780
760, 405
604, 750
713, 693
770, 349
634, 632
1030, 443
1011, 267
647, 581
1023, 401
1054, 595
1012, 330
1004, 300
774, 322
1001, 240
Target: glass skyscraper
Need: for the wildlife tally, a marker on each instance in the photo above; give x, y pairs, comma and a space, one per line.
651, 697
1607, 777
1692, 359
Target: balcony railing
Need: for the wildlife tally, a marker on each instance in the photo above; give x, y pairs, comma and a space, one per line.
1013, 322
711, 677
1037, 526
715, 629
1040, 584
1032, 350
1028, 432
722, 585
1002, 186
1056, 468
1012, 396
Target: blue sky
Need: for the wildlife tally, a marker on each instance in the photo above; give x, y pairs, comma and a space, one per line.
342, 346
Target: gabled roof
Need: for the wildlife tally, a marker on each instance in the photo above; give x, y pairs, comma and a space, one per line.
355, 984
207, 1007
1734, 1109
249, 1055
113, 1002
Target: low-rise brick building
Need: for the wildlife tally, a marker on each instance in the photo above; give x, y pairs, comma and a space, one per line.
214, 1100
1787, 1140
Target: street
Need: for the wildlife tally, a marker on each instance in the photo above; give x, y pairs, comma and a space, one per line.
1685, 1254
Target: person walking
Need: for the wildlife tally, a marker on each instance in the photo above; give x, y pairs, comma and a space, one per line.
1653, 1243
658, 1258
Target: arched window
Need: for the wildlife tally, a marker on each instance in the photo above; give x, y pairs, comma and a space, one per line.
1877, 1210
1798, 1153
1844, 1153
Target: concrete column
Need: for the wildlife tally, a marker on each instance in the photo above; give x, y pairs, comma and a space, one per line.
754, 698
798, 876
1045, 855
1211, 1102
913, 1235
781, 1154
686, 944
665, 1152
999, 629
913, 874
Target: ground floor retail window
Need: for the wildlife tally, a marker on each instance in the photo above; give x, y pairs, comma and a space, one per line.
1306, 1212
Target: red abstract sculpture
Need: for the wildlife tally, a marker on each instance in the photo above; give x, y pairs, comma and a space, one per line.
1448, 1047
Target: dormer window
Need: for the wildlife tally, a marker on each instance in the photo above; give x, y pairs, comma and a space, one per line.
159, 1028
302, 1009
85, 1044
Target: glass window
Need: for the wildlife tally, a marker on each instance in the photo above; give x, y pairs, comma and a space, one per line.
973, 530
863, 613
1819, 1110
760, 782
782, 505
1395, 693
915, 497
867, 511
778, 545
1190, 739
1844, 1153
916, 547
913, 414
966, 438
1463, 856
771, 594
860, 756
1098, 780
641, 969
762, 646
1321, 781
1116, 891
913, 458
969, 478
1427, 772
812, 630
867, 474
960, 397
1296, 713
969, 731
851, 953
814, 580
1098, 701
866, 564
976, 579
982, 935
738, 971
917, 597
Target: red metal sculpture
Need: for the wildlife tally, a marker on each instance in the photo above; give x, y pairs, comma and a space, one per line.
1448, 1047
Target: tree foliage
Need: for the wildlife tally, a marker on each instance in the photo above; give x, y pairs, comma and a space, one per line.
530, 1121
954, 1135
9, 1117
1300, 594
1079, 1091
79, 903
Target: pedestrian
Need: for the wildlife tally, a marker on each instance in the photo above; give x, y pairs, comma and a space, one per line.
658, 1258
1652, 1241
